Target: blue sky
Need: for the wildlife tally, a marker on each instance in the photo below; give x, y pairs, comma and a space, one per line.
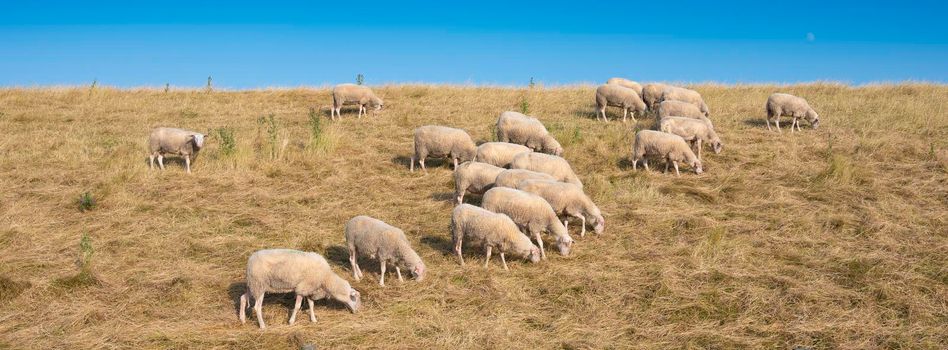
246, 44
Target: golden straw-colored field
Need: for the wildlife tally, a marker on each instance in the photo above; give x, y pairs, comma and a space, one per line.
827, 238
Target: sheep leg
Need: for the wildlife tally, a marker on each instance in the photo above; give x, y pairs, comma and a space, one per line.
399, 273
540, 244
354, 263
777, 121
625, 113
161, 161
258, 309
676, 168
487, 261
187, 163
602, 111
645, 163
312, 314
768, 124
296, 308
635, 164
455, 164
411, 167
583, 232
793, 123
421, 161
666, 165
457, 250
698, 143
360, 111
243, 306
504, 261
151, 161
382, 277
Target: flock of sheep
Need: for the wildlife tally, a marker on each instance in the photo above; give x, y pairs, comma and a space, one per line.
527, 188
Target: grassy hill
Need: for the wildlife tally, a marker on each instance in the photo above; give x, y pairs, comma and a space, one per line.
828, 238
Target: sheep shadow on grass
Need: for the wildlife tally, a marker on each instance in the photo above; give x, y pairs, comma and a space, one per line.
587, 113
287, 300
756, 122
439, 243
405, 161
338, 255
170, 161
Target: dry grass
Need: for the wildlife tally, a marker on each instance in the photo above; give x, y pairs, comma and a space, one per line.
834, 238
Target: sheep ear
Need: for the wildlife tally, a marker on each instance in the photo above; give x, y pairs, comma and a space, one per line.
190, 138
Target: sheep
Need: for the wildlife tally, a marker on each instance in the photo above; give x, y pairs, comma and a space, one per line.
518, 128
286, 270
531, 213
373, 238
343, 94
567, 200
671, 147
511, 177
499, 153
618, 96
694, 131
179, 142
555, 166
474, 177
673, 108
652, 94
442, 141
626, 83
674, 93
780, 104
490, 230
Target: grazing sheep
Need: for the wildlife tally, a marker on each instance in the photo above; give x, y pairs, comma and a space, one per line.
779, 105
511, 177
670, 147
304, 273
674, 93
531, 213
618, 96
652, 94
518, 128
567, 200
372, 238
490, 230
344, 94
442, 141
474, 177
499, 153
694, 131
626, 83
673, 108
555, 166
179, 142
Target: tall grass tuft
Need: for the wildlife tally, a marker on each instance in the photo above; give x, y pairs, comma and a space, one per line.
209, 86
532, 83
524, 105
228, 143
167, 87
320, 139
270, 131
86, 277
86, 202
360, 79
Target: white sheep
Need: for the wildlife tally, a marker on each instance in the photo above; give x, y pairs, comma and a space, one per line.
555, 166
618, 96
442, 141
672, 148
673, 108
652, 94
694, 131
627, 83
779, 105
344, 94
184, 143
674, 93
567, 200
490, 230
531, 213
305, 273
511, 177
372, 238
499, 153
518, 128
474, 177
